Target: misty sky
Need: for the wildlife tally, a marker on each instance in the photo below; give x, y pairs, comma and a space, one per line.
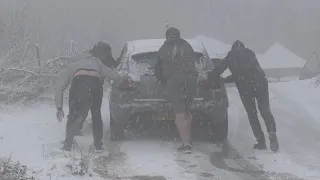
258, 23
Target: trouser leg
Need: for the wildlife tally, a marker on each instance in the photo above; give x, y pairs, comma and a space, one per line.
97, 124
262, 94
79, 105
249, 104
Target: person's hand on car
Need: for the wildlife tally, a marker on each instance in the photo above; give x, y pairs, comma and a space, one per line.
130, 82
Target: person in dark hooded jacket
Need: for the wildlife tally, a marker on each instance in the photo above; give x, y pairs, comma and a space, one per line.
175, 69
252, 86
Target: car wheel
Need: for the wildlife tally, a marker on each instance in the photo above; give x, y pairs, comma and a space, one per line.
116, 130
220, 131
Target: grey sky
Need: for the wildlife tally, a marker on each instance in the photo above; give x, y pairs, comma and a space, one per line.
257, 22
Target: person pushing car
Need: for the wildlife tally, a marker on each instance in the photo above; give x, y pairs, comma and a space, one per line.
86, 73
252, 86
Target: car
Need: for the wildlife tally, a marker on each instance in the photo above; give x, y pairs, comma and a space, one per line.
147, 98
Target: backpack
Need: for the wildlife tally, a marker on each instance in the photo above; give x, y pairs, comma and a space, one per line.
175, 57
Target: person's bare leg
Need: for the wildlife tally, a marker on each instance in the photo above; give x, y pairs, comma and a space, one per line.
189, 122
182, 123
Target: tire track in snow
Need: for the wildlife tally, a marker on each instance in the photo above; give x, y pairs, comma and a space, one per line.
142, 160
146, 158
160, 159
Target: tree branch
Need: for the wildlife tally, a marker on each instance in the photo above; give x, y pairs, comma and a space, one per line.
2, 60
24, 54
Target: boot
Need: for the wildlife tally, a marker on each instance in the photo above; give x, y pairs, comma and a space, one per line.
66, 147
185, 148
67, 144
274, 144
98, 146
99, 149
261, 145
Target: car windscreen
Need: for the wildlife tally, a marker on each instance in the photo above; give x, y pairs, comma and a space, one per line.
144, 63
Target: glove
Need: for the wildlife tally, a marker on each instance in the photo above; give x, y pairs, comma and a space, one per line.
60, 114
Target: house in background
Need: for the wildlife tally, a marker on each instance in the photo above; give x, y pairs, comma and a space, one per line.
311, 68
280, 63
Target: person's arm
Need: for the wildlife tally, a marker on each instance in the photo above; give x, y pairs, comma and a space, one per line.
221, 66
61, 84
218, 69
109, 73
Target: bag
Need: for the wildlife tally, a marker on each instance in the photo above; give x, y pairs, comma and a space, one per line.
175, 57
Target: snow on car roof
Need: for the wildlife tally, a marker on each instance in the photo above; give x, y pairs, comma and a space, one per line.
152, 45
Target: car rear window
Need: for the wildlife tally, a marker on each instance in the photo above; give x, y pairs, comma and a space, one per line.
144, 63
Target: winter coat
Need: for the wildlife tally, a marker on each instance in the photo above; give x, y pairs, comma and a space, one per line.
242, 63
83, 61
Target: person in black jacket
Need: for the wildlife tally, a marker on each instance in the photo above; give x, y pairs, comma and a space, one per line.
252, 86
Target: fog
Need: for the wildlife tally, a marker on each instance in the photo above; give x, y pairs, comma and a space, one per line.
257, 23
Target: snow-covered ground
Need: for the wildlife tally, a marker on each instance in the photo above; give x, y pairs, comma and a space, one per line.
295, 107
32, 134
28, 135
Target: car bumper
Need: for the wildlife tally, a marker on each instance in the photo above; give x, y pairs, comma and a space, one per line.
213, 109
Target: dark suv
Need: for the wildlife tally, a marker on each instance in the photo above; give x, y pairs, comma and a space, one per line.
146, 97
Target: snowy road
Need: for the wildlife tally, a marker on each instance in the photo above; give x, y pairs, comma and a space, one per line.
294, 107
297, 130
28, 134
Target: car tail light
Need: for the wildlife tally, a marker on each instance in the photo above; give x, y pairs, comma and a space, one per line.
129, 86
204, 83
207, 84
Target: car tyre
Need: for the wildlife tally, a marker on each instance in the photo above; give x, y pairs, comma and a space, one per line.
116, 130
220, 131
